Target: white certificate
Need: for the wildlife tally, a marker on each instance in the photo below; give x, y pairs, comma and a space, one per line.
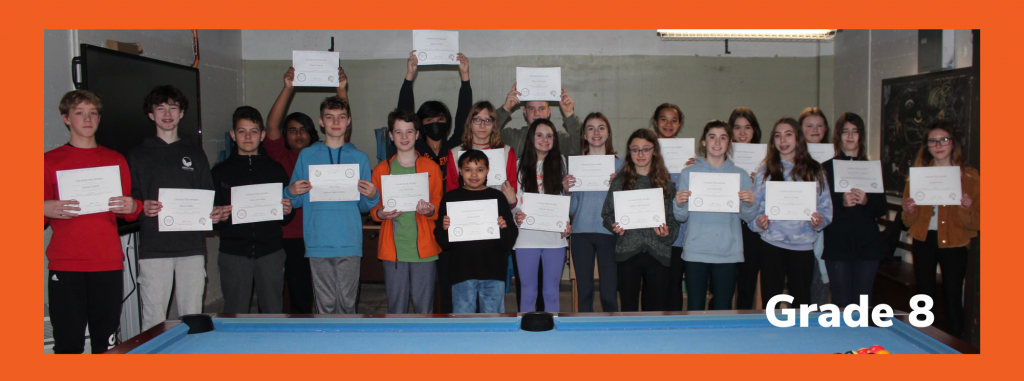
676, 152
821, 152
436, 47
545, 212
591, 172
863, 175
185, 210
334, 182
403, 192
790, 200
256, 203
638, 209
748, 155
495, 168
935, 185
714, 192
315, 68
91, 187
539, 83
473, 220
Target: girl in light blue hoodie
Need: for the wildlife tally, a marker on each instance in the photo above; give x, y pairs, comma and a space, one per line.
713, 244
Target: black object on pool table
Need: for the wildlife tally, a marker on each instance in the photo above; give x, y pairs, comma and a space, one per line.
198, 323
538, 321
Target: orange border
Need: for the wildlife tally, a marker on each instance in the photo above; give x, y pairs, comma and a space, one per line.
23, 68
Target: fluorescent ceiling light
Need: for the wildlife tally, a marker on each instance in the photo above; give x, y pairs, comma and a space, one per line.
746, 34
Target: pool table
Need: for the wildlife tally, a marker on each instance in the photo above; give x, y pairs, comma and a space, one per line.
724, 332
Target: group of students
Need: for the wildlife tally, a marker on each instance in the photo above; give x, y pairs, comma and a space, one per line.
317, 246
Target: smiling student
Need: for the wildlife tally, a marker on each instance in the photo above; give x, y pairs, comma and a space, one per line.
746, 129
815, 128
667, 122
518, 138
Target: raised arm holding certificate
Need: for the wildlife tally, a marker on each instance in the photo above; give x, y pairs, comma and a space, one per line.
404, 192
935, 185
315, 68
790, 200
334, 182
496, 159
714, 192
749, 155
863, 175
91, 187
545, 212
639, 209
436, 47
185, 209
539, 83
676, 152
473, 220
256, 203
591, 172
821, 152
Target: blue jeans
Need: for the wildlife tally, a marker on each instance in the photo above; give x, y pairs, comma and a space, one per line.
491, 294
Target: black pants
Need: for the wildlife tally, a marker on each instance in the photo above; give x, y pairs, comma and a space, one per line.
80, 298
677, 268
298, 276
643, 273
519, 288
851, 279
778, 264
954, 267
444, 282
721, 276
585, 247
746, 274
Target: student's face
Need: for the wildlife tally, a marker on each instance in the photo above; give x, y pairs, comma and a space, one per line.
668, 123
298, 137
83, 119
481, 126
851, 139
742, 130
536, 110
939, 152
814, 129
335, 122
641, 151
404, 135
785, 139
166, 116
247, 136
716, 143
543, 139
596, 132
474, 175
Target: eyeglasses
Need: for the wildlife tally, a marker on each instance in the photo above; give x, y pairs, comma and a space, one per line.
486, 122
646, 151
939, 142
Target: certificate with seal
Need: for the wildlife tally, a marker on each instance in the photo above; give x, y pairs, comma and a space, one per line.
714, 192
436, 47
473, 220
495, 168
545, 212
821, 152
935, 185
539, 83
91, 187
591, 172
185, 210
256, 203
403, 192
676, 152
790, 200
863, 175
314, 68
748, 155
639, 209
334, 182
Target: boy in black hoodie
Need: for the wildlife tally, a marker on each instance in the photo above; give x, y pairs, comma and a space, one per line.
250, 250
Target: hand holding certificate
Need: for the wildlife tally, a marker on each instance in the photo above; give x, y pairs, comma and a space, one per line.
91, 187
473, 220
497, 162
436, 47
863, 175
404, 192
714, 192
185, 209
545, 212
315, 68
821, 152
790, 200
539, 83
256, 203
935, 185
748, 155
639, 209
676, 152
591, 172
334, 182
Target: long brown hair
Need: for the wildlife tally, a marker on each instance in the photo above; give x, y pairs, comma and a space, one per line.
554, 169
837, 136
809, 112
658, 173
748, 114
609, 148
924, 156
467, 134
716, 123
804, 167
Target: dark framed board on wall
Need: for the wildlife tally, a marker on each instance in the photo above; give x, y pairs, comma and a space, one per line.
909, 104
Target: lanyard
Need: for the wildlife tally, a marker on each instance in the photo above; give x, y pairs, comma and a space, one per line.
331, 158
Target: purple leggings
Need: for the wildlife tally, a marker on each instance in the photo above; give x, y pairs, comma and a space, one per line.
529, 261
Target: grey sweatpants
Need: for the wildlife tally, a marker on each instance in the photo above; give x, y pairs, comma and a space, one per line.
335, 283
405, 279
157, 276
237, 273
